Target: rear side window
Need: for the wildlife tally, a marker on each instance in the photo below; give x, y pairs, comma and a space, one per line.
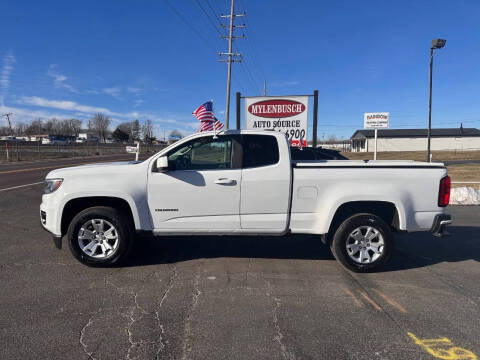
259, 150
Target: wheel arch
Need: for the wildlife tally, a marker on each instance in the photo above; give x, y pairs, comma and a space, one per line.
386, 210
75, 205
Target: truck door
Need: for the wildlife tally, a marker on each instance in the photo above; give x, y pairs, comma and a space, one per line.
266, 184
201, 189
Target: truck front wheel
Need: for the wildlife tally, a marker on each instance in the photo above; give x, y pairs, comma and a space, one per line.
363, 242
100, 236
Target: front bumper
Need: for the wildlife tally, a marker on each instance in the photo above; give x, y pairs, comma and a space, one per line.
439, 224
46, 215
57, 239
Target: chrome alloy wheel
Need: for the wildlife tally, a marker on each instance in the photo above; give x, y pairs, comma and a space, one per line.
98, 238
365, 244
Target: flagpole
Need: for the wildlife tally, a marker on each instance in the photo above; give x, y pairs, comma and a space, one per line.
213, 122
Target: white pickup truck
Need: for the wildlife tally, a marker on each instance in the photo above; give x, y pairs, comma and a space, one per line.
244, 183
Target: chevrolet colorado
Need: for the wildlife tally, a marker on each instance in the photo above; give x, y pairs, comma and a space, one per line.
244, 183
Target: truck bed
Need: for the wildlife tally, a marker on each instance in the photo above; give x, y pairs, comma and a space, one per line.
320, 187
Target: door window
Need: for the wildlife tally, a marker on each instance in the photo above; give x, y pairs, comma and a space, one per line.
259, 150
203, 153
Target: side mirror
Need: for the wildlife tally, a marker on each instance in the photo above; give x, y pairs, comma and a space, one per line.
162, 163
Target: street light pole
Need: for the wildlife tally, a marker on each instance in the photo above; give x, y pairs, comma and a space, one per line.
436, 44
429, 159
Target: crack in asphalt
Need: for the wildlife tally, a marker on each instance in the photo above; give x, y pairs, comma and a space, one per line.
187, 347
89, 323
171, 281
133, 318
82, 334
286, 354
249, 266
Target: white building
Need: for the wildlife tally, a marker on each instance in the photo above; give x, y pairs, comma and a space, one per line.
416, 139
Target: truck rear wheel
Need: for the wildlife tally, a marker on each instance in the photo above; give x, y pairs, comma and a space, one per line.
100, 236
363, 242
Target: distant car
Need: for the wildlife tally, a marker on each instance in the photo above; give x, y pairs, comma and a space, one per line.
311, 153
80, 140
55, 140
13, 138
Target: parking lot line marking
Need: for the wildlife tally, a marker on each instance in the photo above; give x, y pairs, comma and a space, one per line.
374, 304
391, 301
51, 167
443, 348
21, 186
355, 300
29, 169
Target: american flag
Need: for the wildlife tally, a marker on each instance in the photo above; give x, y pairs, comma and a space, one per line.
208, 121
208, 125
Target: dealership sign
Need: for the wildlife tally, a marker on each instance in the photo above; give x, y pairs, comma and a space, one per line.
288, 114
376, 120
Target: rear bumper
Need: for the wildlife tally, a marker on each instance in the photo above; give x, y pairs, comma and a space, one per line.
439, 224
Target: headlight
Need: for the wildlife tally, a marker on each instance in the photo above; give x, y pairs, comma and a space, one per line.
52, 185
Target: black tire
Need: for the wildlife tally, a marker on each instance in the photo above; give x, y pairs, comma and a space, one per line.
124, 229
342, 235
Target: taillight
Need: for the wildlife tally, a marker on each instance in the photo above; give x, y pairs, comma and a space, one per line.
444, 193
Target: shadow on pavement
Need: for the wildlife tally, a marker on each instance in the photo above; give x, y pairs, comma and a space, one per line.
422, 249
411, 250
174, 249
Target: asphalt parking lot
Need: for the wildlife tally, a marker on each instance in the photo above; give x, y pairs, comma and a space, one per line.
233, 297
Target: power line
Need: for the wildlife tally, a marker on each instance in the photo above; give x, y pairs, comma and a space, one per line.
219, 9
251, 43
248, 75
209, 18
217, 17
191, 27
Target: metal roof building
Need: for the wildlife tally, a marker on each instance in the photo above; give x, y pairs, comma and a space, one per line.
416, 139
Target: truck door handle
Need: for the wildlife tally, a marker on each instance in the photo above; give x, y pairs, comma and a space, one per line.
224, 181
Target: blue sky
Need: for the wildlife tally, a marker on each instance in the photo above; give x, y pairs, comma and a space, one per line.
136, 58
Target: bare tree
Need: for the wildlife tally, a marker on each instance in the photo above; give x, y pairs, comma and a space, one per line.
35, 127
147, 130
53, 126
4, 131
100, 124
75, 126
136, 130
90, 126
332, 138
20, 128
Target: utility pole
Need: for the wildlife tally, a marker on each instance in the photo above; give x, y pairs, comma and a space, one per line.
264, 87
231, 57
7, 115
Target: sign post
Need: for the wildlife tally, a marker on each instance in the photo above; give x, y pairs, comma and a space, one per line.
134, 150
376, 121
315, 118
288, 114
